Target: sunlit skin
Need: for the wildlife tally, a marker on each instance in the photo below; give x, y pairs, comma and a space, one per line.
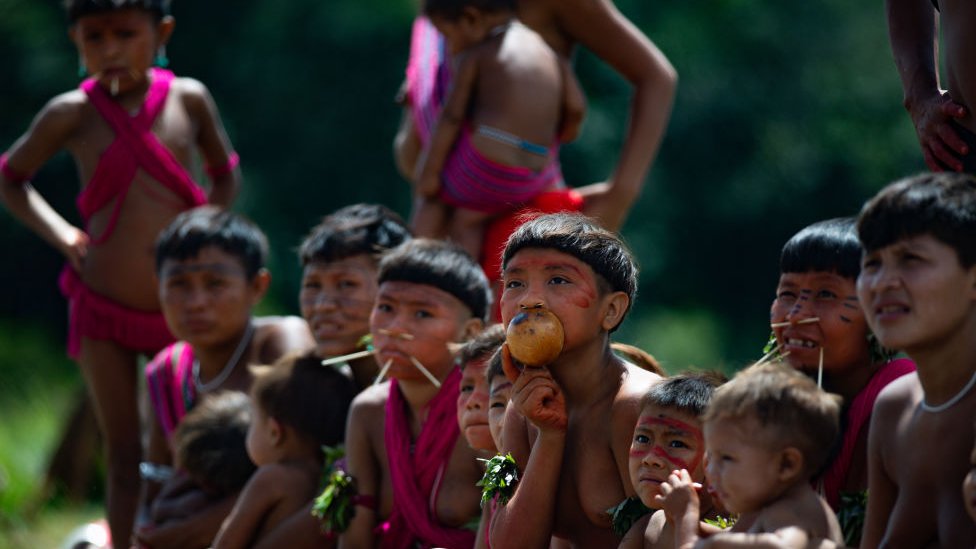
664, 440
120, 46
841, 331
336, 299
499, 396
472, 405
262, 437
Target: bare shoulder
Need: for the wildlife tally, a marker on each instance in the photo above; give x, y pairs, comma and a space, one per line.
370, 404
62, 114
635, 382
276, 336
634, 538
194, 95
270, 326
898, 396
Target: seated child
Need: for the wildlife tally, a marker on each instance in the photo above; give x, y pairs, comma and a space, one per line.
211, 454
583, 406
472, 405
667, 437
918, 290
495, 144
210, 265
499, 397
819, 326
298, 407
767, 433
415, 475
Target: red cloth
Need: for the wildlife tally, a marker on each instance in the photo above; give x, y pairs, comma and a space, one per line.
858, 417
414, 472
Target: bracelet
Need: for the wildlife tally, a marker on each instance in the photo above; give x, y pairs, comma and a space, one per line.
11, 174
219, 171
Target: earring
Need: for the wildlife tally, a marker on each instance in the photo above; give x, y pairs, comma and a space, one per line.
161, 60
82, 69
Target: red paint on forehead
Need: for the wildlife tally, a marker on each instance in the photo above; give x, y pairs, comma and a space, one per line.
673, 423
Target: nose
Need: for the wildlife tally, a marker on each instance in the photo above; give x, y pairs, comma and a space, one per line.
197, 298
325, 301
655, 458
802, 308
477, 401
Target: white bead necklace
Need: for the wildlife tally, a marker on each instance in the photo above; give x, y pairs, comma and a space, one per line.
227, 369
949, 403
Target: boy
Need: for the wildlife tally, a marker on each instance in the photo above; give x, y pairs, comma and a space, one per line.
298, 407
586, 402
499, 395
472, 406
918, 290
415, 475
210, 265
767, 433
667, 437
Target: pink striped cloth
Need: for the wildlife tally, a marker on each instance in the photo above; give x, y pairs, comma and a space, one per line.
169, 381
428, 76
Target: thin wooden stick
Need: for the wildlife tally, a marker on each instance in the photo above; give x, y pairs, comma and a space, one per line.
382, 374
425, 371
820, 370
345, 358
391, 333
765, 358
810, 320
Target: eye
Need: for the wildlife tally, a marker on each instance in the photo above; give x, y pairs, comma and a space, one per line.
498, 404
467, 387
786, 295
311, 285
513, 284
347, 284
216, 283
384, 307
641, 439
558, 280
677, 444
826, 294
423, 313
869, 263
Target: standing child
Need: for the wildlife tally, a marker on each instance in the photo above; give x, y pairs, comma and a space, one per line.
586, 402
415, 474
668, 437
131, 129
767, 432
918, 290
298, 406
496, 142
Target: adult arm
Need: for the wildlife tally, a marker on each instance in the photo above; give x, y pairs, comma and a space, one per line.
882, 490
157, 453
299, 531
912, 32
214, 145
259, 497
448, 126
599, 26
362, 465
49, 132
538, 398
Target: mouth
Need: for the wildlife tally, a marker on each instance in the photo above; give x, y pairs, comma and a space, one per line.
890, 310
801, 343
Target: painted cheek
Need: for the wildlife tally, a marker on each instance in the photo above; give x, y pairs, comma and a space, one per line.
676, 462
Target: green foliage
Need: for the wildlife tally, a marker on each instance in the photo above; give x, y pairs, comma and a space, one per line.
334, 506
626, 513
500, 479
721, 521
853, 510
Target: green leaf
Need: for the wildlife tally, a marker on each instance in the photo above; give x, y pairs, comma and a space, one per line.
500, 478
626, 513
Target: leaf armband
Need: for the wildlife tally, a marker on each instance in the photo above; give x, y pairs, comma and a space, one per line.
501, 478
626, 513
335, 507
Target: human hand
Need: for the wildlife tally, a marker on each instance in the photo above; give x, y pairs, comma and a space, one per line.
679, 495
536, 396
941, 145
74, 246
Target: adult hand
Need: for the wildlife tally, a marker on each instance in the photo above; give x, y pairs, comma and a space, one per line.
941, 145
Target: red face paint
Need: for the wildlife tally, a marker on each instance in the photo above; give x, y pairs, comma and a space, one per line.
677, 425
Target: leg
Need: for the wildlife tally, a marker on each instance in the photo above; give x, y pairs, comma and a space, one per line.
429, 217
110, 373
467, 228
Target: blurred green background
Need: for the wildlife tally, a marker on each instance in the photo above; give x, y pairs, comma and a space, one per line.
786, 113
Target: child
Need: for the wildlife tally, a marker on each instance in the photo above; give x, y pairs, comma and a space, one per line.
499, 396
130, 129
211, 275
918, 290
586, 402
668, 437
767, 432
339, 260
495, 144
211, 454
298, 406
472, 405
820, 328
415, 475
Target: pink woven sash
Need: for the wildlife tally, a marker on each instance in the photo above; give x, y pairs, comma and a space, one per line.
428, 76
169, 382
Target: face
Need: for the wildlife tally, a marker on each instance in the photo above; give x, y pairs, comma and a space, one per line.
336, 299
664, 440
472, 405
120, 45
564, 285
969, 486
841, 331
499, 396
915, 293
742, 475
262, 437
207, 299
418, 320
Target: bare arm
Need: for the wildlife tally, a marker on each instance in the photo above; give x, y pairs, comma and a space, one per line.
213, 143
256, 501
362, 465
537, 397
49, 133
912, 32
634, 538
783, 538
198, 530
299, 531
157, 453
882, 491
448, 126
599, 26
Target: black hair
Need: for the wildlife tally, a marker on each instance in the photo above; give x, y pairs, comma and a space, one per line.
77, 9
353, 230
206, 226
494, 366
482, 345
211, 443
689, 393
827, 246
580, 237
941, 204
310, 398
452, 9
442, 265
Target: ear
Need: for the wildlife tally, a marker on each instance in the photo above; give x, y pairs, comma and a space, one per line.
614, 306
471, 328
470, 15
165, 29
259, 285
791, 464
276, 430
